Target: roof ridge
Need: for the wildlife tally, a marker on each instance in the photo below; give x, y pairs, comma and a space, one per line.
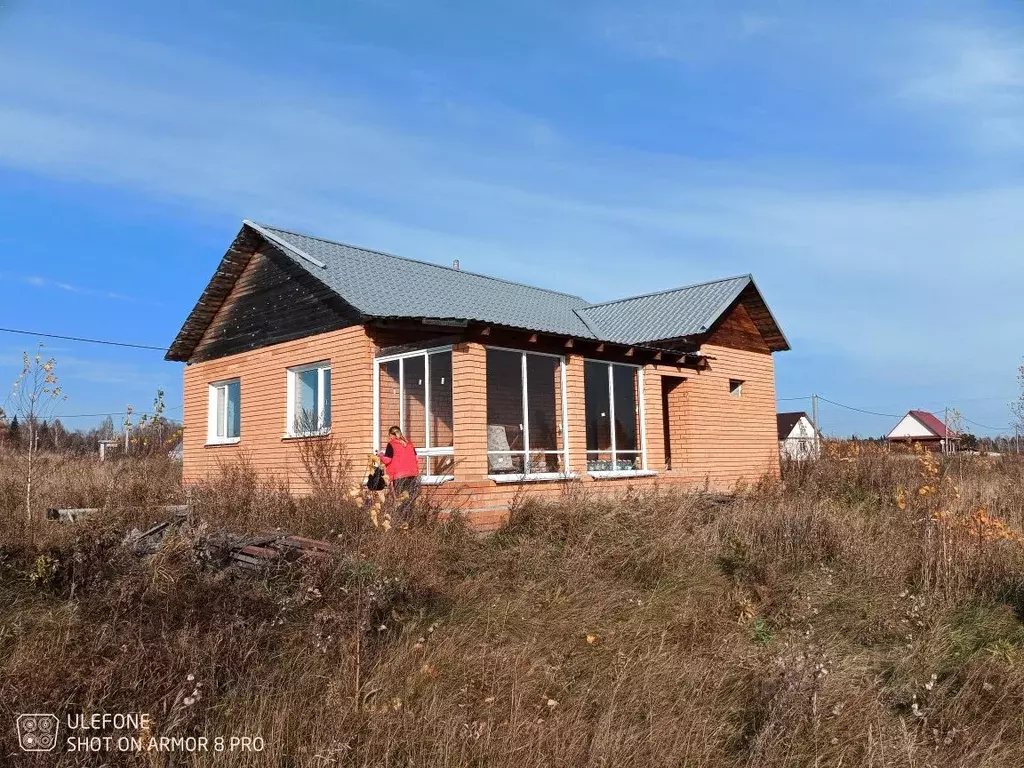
668, 290
417, 261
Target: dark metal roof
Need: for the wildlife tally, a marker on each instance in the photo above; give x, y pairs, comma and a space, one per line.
787, 421
380, 285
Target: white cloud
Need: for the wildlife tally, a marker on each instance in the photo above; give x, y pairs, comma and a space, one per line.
973, 78
970, 66
46, 283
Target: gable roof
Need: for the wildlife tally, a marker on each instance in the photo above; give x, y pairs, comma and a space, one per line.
788, 421
932, 423
381, 285
671, 314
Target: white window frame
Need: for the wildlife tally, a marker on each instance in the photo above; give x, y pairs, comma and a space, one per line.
429, 478
293, 382
535, 476
643, 471
211, 414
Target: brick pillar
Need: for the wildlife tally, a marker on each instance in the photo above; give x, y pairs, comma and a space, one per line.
654, 429
577, 414
469, 410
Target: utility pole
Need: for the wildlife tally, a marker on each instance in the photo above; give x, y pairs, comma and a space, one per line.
127, 427
814, 421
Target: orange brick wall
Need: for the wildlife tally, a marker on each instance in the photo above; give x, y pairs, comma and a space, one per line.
263, 374
469, 404
718, 440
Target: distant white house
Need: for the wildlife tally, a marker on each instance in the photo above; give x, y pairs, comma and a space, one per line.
176, 453
923, 428
798, 439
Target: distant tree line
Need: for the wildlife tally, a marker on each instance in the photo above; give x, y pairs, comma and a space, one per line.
968, 442
154, 435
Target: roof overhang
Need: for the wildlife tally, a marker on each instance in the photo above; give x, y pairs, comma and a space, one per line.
245, 244
253, 237
757, 307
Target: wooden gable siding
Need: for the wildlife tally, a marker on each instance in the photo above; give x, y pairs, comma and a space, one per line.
738, 330
231, 266
757, 309
272, 301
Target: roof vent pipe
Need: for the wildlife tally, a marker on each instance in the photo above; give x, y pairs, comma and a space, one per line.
455, 264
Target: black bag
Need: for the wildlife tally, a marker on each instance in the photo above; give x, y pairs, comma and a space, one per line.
375, 481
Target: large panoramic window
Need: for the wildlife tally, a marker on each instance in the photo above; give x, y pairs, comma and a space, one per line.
224, 420
309, 399
614, 439
525, 413
414, 392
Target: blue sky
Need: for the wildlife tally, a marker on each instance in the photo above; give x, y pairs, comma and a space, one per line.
864, 160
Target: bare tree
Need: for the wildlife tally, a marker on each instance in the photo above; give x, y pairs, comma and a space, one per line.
35, 394
1018, 405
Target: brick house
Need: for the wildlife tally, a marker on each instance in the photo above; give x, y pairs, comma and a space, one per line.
503, 387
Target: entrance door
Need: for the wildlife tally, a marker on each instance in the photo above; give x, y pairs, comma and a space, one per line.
671, 416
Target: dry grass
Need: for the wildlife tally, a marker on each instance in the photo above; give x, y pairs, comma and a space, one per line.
813, 622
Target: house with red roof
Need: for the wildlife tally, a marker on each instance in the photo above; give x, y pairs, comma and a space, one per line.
924, 428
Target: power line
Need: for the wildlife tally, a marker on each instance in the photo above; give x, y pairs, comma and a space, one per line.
955, 400
896, 416
83, 340
109, 413
983, 426
859, 410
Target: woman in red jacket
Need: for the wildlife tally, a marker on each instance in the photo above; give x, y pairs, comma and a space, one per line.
403, 467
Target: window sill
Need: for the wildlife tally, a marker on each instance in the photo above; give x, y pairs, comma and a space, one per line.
435, 479
613, 474
223, 441
539, 477
306, 435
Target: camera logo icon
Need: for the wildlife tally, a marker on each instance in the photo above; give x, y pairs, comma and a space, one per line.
37, 733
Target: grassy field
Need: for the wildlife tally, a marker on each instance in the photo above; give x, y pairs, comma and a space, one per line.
865, 611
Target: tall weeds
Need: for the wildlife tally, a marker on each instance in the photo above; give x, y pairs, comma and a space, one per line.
838, 617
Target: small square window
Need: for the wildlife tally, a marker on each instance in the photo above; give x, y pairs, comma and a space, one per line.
224, 420
735, 388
